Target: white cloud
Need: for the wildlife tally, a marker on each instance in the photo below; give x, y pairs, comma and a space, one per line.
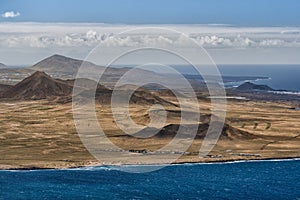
89, 35
92, 38
10, 14
77, 39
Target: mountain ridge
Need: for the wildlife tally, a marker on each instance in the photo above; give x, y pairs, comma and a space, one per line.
40, 86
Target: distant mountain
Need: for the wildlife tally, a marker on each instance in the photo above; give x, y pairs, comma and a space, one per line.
248, 86
66, 68
2, 66
58, 63
63, 64
38, 86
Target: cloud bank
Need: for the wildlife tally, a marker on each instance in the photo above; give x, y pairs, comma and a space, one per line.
10, 14
78, 39
51, 35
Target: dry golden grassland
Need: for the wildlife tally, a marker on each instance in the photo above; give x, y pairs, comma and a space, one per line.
40, 134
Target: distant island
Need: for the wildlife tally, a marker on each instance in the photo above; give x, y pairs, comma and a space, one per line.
248, 86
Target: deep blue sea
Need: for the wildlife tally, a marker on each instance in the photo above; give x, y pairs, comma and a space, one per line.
285, 77
281, 77
240, 180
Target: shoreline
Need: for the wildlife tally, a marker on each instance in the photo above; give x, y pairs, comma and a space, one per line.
228, 161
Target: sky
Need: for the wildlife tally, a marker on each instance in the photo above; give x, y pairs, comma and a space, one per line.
237, 12
232, 31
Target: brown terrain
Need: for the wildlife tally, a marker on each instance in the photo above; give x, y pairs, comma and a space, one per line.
38, 130
38, 86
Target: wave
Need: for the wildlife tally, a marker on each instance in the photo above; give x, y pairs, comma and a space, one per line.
234, 84
252, 161
119, 167
285, 92
227, 97
109, 168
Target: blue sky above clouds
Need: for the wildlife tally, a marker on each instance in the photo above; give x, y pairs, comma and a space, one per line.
236, 12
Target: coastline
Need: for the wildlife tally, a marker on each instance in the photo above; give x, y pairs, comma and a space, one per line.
97, 164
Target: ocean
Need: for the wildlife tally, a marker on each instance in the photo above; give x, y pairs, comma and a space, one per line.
281, 77
237, 180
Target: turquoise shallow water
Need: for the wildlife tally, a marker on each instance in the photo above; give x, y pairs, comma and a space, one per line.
241, 180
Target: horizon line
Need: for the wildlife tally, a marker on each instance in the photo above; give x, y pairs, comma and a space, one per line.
148, 24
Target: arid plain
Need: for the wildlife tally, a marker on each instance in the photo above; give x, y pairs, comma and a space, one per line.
40, 134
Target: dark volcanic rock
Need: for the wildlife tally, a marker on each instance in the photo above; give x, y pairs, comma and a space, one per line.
171, 130
4, 87
248, 86
41, 86
103, 96
38, 86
